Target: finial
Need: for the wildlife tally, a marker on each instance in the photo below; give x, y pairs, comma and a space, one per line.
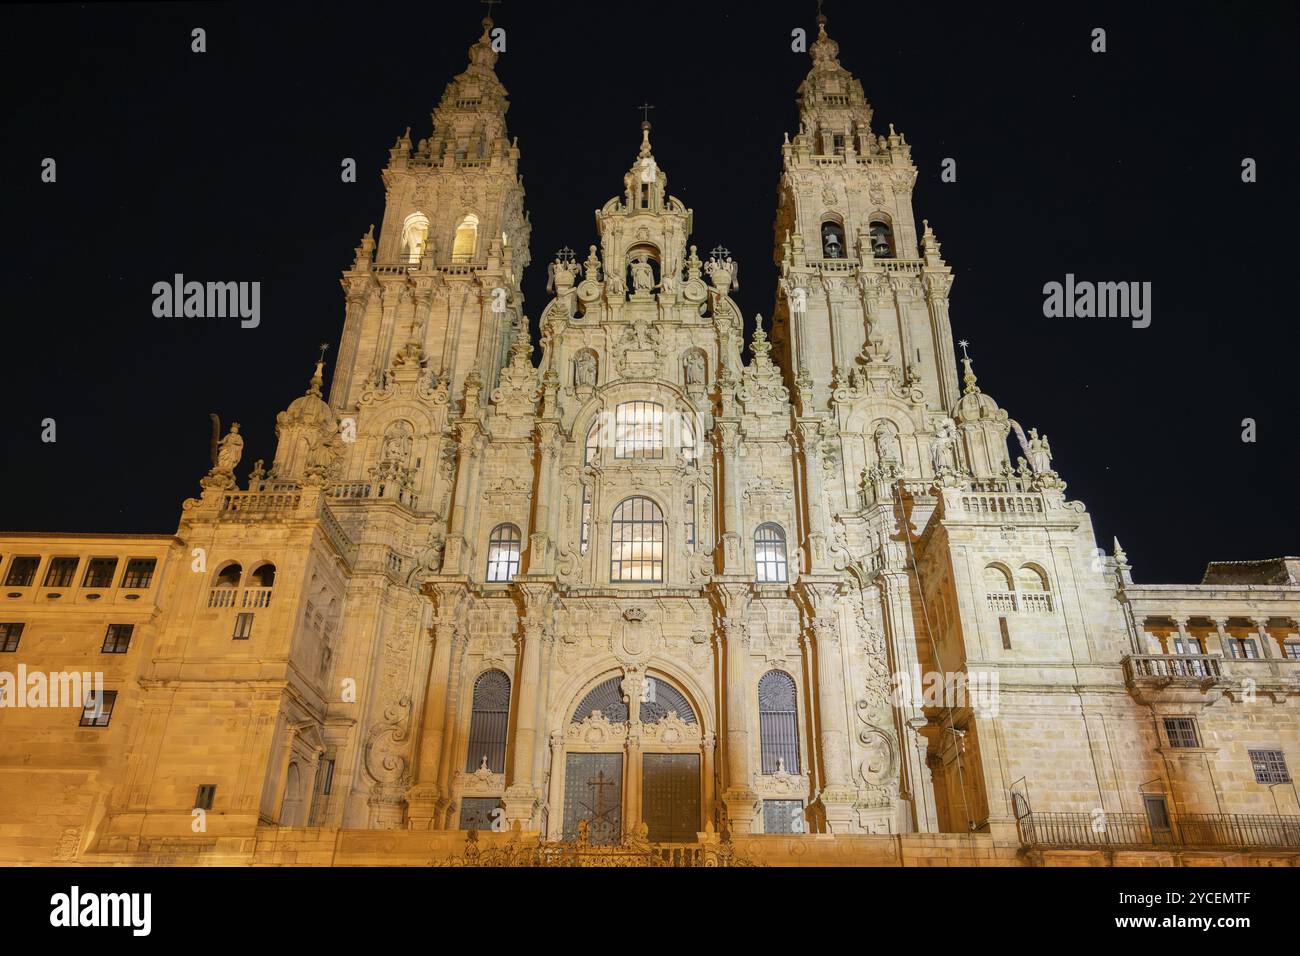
318, 376
487, 20
1120, 557
821, 18
968, 379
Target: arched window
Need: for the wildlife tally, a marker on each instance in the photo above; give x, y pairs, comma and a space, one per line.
488, 722
1000, 588
263, 576
660, 698
466, 241
832, 240
415, 236
882, 240
606, 698
503, 552
778, 723
1032, 590
637, 541
639, 430
769, 554
229, 576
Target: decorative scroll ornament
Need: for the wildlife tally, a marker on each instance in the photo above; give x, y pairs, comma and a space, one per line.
385, 752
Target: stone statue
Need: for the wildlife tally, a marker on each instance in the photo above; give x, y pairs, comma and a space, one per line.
943, 440
694, 368
1040, 453
887, 444
230, 449
643, 276
584, 370
397, 445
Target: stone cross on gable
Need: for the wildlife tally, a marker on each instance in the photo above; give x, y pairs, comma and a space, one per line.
645, 109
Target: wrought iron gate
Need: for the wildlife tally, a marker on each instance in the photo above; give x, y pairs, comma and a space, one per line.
670, 804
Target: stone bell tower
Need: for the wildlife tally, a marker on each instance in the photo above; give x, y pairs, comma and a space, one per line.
860, 285
439, 286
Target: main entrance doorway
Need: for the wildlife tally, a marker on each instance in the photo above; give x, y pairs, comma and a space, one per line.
593, 791
670, 797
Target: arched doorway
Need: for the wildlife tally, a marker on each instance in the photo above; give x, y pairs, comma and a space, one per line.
634, 756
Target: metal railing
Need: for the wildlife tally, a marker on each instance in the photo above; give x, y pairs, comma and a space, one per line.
1194, 830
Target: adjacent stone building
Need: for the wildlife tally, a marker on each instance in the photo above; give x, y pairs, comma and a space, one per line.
644, 592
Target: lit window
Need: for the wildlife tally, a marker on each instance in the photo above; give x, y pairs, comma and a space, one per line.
639, 430
139, 572
60, 572
99, 573
1270, 766
1181, 732
637, 541
688, 518
1292, 650
503, 553
462, 248
769, 554
117, 640
1241, 648
415, 236
22, 572
99, 709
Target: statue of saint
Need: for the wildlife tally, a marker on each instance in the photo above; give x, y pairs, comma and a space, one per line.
694, 368
584, 370
887, 445
643, 276
230, 449
1040, 452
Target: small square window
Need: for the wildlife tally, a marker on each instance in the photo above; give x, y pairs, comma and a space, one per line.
22, 572
61, 572
206, 794
1270, 766
9, 635
139, 572
243, 626
117, 640
1181, 732
99, 573
99, 709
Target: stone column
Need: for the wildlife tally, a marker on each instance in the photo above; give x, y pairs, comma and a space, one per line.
1261, 628
728, 438
732, 602
1220, 626
522, 792
425, 798
822, 623
468, 447
555, 815
810, 444
937, 286
543, 535
448, 755
1183, 636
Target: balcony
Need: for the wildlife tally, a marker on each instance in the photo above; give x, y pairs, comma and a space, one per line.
1162, 670
1116, 831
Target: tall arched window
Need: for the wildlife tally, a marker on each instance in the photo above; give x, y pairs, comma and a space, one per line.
639, 430
503, 552
832, 240
637, 541
769, 554
882, 240
778, 723
466, 241
1032, 590
415, 236
488, 722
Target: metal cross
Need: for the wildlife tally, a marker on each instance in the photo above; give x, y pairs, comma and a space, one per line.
599, 783
490, 3
645, 109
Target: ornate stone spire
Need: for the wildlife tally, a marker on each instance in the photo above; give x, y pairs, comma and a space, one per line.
968, 377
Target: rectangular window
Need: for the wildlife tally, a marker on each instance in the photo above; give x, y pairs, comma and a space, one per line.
639, 430
1181, 732
584, 535
327, 776
1188, 645
1006, 633
98, 710
1292, 650
689, 516
1242, 648
1270, 766
61, 572
207, 792
118, 639
783, 816
9, 635
139, 572
99, 573
243, 626
22, 572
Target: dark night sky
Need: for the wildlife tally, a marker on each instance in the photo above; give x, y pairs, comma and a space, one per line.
225, 166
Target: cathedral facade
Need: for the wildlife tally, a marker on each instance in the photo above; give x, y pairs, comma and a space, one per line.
637, 589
